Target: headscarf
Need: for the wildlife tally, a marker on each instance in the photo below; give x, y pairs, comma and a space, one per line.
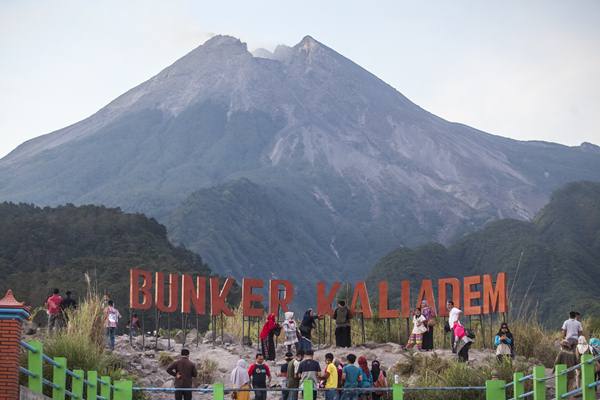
426, 311
268, 326
307, 319
375, 369
595, 342
582, 345
362, 363
289, 315
239, 375
508, 333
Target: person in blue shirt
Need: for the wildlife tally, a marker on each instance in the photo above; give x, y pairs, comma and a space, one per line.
504, 343
351, 377
366, 380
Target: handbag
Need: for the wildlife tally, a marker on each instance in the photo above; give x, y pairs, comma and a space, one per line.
503, 349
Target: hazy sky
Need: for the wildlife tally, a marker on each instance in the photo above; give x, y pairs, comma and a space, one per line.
523, 69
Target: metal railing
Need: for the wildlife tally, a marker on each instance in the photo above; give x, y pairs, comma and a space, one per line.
80, 385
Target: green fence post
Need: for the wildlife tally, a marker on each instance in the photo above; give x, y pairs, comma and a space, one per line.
539, 386
518, 386
77, 384
35, 364
92, 387
495, 390
59, 378
307, 390
218, 391
124, 390
587, 377
397, 392
105, 387
560, 381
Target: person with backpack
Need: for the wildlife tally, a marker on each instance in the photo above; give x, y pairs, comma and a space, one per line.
379, 380
54, 311
343, 332
309, 370
111, 321
351, 377
260, 377
293, 381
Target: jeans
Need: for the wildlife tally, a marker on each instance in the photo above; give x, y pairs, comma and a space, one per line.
260, 394
285, 394
353, 395
181, 394
292, 395
110, 332
331, 394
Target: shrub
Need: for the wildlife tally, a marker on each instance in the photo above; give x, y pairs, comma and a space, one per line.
165, 359
532, 341
207, 371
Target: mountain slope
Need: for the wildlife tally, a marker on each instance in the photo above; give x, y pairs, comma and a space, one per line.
315, 132
552, 262
43, 248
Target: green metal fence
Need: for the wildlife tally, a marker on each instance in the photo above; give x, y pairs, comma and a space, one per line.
87, 384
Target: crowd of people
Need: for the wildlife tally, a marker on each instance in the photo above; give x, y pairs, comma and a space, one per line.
331, 377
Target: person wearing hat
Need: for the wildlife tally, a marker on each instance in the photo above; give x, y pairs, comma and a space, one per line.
283, 375
568, 358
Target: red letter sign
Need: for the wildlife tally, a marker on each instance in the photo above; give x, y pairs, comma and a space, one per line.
248, 297
323, 300
471, 295
494, 300
135, 290
274, 301
384, 311
160, 292
218, 298
443, 294
360, 293
190, 295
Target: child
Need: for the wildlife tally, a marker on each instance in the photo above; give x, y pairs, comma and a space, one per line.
419, 328
283, 375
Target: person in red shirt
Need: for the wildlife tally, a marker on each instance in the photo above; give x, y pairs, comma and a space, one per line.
54, 311
260, 377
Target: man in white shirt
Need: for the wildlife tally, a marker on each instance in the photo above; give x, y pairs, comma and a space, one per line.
453, 316
572, 329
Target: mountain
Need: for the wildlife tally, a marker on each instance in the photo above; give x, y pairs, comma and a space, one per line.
296, 162
552, 262
43, 248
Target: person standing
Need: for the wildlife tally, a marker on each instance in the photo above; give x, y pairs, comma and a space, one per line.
240, 380
111, 321
184, 371
283, 375
260, 377
267, 337
568, 358
430, 320
293, 381
343, 332
309, 370
134, 325
504, 343
366, 380
351, 378
54, 311
379, 380
453, 317
331, 378
419, 327
67, 305
308, 324
290, 331
572, 329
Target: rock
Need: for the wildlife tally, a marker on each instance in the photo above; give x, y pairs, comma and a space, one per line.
168, 384
247, 341
179, 337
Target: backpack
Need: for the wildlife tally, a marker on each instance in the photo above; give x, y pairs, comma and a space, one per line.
342, 315
292, 382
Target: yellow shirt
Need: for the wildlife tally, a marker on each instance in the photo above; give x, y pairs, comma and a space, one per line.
332, 381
